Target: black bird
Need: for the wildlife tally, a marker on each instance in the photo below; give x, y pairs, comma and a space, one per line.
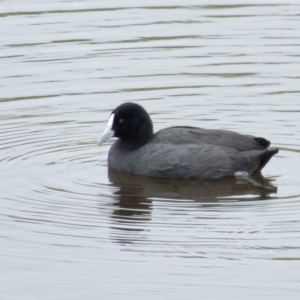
181, 151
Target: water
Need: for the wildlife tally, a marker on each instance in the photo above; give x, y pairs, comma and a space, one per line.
70, 230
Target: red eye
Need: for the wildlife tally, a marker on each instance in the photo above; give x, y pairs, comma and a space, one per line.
120, 121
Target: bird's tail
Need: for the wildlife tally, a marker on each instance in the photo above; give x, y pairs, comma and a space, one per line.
265, 157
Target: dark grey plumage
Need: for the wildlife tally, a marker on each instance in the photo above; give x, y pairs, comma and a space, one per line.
181, 152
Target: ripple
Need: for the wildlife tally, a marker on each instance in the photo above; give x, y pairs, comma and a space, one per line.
53, 165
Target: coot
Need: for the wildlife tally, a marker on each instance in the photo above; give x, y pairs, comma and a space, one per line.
180, 151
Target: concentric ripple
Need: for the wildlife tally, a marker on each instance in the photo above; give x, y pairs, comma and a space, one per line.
54, 172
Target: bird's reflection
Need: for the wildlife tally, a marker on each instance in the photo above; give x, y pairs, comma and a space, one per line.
134, 197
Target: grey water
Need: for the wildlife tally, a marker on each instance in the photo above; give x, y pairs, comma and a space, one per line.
69, 229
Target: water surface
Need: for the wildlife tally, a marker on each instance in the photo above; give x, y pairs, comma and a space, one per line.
70, 229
